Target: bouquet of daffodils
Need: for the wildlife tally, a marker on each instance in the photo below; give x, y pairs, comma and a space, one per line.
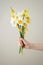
21, 21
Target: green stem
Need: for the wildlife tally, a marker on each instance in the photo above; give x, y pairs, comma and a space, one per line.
21, 36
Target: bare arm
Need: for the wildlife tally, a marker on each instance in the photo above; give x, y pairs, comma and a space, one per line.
37, 46
29, 45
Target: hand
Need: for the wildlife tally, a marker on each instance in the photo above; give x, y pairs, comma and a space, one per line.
24, 43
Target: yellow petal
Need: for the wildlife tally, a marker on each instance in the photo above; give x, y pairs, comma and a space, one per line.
16, 17
13, 16
13, 11
23, 14
25, 24
28, 19
26, 10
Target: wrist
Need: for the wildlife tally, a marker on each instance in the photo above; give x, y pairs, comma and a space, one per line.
31, 46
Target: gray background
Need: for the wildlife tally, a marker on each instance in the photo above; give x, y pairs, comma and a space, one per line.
9, 36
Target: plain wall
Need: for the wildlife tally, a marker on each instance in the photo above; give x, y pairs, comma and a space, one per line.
9, 36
